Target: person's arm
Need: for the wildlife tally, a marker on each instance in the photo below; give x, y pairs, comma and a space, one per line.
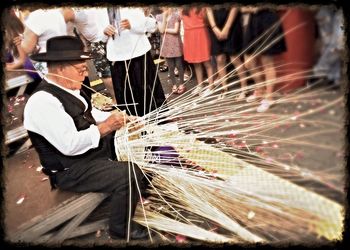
228, 24
174, 30
162, 25
135, 21
115, 121
21, 55
68, 14
30, 40
212, 24
210, 17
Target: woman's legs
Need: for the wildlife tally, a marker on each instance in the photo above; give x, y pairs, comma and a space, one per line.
210, 72
270, 75
180, 67
253, 65
241, 72
171, 65
221, 63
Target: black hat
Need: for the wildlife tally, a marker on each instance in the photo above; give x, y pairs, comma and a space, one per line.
62, 48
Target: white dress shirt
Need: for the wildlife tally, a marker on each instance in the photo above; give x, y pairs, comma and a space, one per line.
44, 114
91, 23
134, 42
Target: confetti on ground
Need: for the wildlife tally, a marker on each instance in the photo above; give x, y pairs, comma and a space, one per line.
180, 238
44, 178
20, 199
98, 234
251, 215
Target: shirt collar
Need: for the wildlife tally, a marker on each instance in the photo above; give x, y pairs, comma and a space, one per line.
73, 92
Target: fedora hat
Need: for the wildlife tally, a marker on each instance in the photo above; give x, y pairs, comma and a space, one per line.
62, 48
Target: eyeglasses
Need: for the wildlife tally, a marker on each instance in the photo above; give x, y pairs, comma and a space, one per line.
80, 71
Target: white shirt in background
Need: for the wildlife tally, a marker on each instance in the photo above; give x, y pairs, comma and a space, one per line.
46, 24
134, 42
91, 22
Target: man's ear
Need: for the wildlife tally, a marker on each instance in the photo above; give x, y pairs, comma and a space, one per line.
61, 68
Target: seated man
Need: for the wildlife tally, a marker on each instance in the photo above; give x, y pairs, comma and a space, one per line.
73, 139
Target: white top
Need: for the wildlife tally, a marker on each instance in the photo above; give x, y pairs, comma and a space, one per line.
46, 24
134, 42
44, 114
91, 22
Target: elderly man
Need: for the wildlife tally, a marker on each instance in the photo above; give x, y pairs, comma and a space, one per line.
73, 139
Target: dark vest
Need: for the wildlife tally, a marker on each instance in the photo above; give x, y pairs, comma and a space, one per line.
53, 159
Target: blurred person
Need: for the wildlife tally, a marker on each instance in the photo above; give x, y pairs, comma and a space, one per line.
331, 33
90, 23
226, 40
171, 47
41, 25
134, 75
263, 24
197, 44
73, 139
14, 56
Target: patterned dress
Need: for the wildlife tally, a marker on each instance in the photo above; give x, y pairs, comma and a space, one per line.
171, 45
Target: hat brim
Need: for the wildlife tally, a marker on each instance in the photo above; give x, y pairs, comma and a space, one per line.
50, 57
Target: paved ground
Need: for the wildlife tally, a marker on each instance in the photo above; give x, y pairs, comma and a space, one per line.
328, 163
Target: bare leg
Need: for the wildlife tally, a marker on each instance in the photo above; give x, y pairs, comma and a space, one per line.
241, 71
210, 72
199, 73
221, 63
270, 75
256, 73
171, 65
180, 67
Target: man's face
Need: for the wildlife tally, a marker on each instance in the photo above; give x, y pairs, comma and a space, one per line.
76, 71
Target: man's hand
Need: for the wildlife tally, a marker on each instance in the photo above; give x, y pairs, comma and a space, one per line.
135, 124
115, 121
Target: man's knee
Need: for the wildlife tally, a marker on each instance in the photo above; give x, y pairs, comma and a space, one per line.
131, 169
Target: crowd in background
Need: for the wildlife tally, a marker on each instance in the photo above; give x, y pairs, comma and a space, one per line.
125, 41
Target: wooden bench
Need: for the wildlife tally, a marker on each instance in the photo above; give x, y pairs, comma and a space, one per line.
20, 81
35, 214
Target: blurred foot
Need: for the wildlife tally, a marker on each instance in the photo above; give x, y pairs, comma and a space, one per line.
197, 90
181, 89
206, 92
241, 97
222, 95
174, 90
264, 105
